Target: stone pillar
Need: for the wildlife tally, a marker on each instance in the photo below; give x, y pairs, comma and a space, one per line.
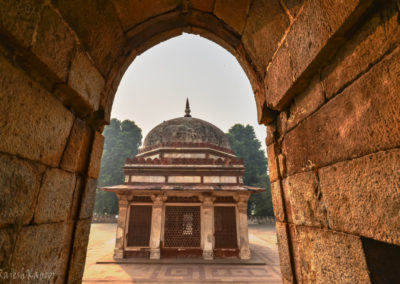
156, 217
207, 231
123, 204
243, 227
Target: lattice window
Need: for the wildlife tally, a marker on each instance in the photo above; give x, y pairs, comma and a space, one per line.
139, 225
225, 227
182, 226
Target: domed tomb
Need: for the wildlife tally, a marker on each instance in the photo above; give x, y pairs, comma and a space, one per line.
184, 174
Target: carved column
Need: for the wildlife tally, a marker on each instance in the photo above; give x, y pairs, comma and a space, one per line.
123, 204
156, 217
207, 231
243, 227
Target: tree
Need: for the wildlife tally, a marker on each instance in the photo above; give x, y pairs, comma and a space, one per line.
122, 140
246, 146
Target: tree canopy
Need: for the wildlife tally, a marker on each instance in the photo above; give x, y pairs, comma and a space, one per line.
122, 140
246, 146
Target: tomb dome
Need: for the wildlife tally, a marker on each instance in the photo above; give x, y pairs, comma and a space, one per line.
186, 130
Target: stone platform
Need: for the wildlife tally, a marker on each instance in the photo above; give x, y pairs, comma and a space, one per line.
262, 244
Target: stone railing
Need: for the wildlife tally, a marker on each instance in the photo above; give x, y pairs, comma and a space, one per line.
101, 218
265, 220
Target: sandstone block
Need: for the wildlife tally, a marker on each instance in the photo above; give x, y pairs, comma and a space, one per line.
277, 201
282, 234
46, 247
88, 198
55, 197
272, 163
54, 43
378, 35
364, 124
306, 103
76, 153
311, 38
362, 196
30, 114
76, 198
134, 12
19, 18
98, 28
271, 129
79, 249
86, 80
330, 257
19, 183
95, 155
203, 5
7, 241
266, 25
279, 76
306, 200
293, 6
234, 13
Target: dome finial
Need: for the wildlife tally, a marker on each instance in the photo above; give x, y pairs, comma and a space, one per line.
187, 110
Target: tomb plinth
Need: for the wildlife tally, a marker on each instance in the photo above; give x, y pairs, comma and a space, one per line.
183, 195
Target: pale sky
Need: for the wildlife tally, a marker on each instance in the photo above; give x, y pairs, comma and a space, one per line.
157, 83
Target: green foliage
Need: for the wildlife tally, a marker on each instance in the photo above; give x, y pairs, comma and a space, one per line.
122, 140
246, 146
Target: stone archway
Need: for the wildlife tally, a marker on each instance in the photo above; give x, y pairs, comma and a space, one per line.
325, 78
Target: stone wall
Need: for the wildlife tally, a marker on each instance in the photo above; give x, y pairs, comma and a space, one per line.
325, 79
334, 157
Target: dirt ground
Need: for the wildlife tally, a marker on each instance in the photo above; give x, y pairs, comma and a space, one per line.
262, 243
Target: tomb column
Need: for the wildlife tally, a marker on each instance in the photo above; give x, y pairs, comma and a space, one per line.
123, 204
155, 235
207, 230
243, 226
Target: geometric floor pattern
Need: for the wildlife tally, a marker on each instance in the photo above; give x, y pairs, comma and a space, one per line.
262, 243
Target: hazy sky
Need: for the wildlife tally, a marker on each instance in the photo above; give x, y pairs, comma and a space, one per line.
157, 83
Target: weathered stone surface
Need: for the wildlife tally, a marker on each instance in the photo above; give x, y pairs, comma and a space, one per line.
330, 257
23, 103
133, 12
203, 5
85, 79
311, 39
234, 13
19, 184
378, 35
55, 197
362, 196
76, 154
265, 27
306, 199
293, 6
282, 234
271, 129
77, 263
54, 43
275, 82
95, 155
75, 206
46, 247
98, 27
306, 103
7, 240
272, 163
88, 198
364, 124
277, 201
19, 18
281, 123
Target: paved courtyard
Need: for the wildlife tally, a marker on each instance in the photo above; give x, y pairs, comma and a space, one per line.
262, 243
